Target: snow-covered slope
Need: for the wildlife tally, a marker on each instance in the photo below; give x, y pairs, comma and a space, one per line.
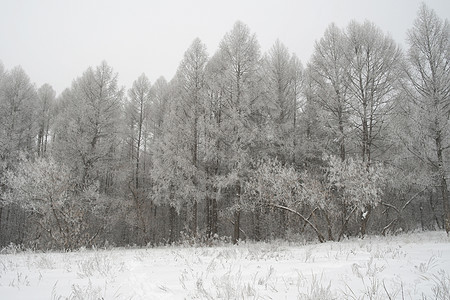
411, 266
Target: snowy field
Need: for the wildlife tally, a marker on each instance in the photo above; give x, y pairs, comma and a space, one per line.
411, 266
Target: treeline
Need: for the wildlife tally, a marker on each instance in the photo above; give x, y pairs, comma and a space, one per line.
238, 145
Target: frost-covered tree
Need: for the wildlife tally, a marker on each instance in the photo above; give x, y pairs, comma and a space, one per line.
45, 116
297, 84
89, 126
192, 92
88, 133
239, 62
348, 182
353, 185
159, 105
18, 102
215, 145
275, 185
277, 120
328, 71
172, 171
312, 134
428, 90
138, 115
282, 79
138, 108
374, 68
172, 165
180, 175
47, 190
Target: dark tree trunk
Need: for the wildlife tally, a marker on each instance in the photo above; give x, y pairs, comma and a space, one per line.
211, 217
364, 220
1, 227
237, 217
208, 218
432, 205
341, 138
214, 219
194, 228
444, 189
444, 192
257, 225
329, 227
172, 216
421, 217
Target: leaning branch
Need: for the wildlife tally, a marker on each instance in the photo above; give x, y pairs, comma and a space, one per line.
388, 205
399, 211
413, 197
319, 234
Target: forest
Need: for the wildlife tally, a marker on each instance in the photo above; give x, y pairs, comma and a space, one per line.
238, 145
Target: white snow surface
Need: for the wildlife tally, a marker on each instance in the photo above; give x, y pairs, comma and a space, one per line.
409, 266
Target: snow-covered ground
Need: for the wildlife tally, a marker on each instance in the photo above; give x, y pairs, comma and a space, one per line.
411, 266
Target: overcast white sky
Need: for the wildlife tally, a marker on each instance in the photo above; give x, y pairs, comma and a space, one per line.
55, 41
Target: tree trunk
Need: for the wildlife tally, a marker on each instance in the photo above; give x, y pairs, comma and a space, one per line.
434, 212
211, 217
172, 215
444, 190
421, 217
283, 223
364, 220
294, 130
195, 164
195, 219
40, 142
346, 219
329, 227
341, 138
365, 132
46, 137
257, 225
237, 215
214, 220
1, 227
208, 217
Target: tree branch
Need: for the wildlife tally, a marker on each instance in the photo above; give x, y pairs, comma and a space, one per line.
319, 234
